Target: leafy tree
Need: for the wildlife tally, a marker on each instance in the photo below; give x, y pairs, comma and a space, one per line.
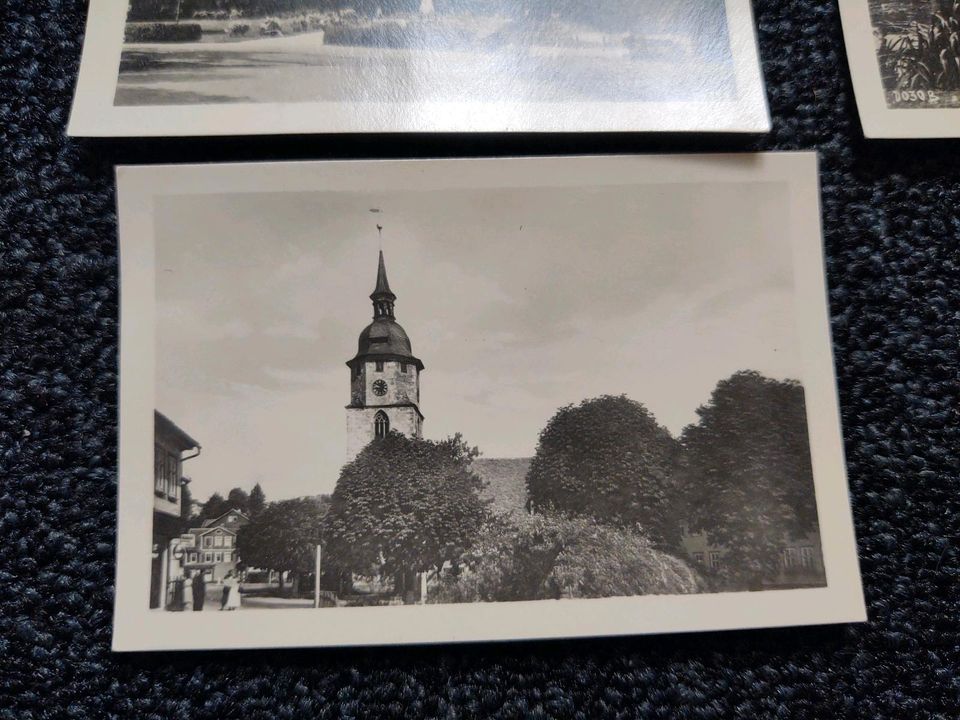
284, 536
405, 505
745, 473
606, 458
186, 505
257, 501
239, 500
548, 557
214, 507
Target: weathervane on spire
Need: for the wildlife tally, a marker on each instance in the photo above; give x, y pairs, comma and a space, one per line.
379, 227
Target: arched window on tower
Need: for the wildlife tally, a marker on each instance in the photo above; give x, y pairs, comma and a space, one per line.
381, 425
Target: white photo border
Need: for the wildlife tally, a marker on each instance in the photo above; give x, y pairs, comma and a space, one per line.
137, 628
877, 119
95, 115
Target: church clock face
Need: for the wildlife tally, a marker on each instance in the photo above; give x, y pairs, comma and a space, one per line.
380, 388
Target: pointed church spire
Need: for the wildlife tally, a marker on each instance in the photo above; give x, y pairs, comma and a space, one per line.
382, 296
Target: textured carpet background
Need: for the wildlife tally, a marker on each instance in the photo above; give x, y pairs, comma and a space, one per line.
892, 224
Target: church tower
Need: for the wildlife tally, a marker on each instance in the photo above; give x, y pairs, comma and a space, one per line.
384, 377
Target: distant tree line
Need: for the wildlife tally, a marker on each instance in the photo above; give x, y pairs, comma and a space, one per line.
742, 474
250, 504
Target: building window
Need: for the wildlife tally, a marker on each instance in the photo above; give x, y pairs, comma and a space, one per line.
403, 367
790, 557
806, 556
698, 558
159, 482
381, 425
208, 542
228, 541
166, 473
715, 558
379, 366
218, 557
218, 541
227, 556
208, 557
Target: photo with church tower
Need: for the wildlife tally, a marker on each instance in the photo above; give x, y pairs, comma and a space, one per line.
477, 395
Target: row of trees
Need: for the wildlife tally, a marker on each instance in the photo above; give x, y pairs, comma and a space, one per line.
742, 473
250, 504
608, 490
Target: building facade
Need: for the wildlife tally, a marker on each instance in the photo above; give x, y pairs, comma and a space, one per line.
212, 547
171, 448
801, 559
384, 376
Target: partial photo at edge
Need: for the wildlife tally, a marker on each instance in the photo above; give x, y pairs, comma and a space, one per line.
500, 358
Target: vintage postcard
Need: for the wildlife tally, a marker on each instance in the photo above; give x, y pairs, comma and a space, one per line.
457, 400
905, 63
233, 67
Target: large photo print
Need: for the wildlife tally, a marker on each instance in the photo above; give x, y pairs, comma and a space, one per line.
220, 66
412, 394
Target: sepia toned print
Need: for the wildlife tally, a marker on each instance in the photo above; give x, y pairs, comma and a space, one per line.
383, 396
918, 50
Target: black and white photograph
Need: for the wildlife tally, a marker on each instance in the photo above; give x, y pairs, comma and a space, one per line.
905, 56
918, 51
223, 66
434, 386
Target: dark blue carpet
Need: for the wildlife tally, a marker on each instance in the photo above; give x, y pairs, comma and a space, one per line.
892, 222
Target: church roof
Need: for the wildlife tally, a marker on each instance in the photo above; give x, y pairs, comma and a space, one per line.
505, 483
384, 338
383, 287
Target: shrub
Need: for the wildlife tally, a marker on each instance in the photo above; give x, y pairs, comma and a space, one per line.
270, 26
544, 557
238, 29
162, 32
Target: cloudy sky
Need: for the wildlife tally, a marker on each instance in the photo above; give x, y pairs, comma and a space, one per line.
518, 302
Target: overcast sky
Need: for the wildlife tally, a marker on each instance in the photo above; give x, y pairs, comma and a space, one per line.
518, 302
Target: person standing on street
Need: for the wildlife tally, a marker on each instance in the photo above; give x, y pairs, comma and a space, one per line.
226, 590
198, 590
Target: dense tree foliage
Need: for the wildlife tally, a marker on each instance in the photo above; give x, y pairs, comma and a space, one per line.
606, 458
257, 501
284, 535
544, 557
405, 505
215, 506
186, 505
745, 473
237, 499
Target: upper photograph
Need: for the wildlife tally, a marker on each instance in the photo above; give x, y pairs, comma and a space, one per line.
233, 67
